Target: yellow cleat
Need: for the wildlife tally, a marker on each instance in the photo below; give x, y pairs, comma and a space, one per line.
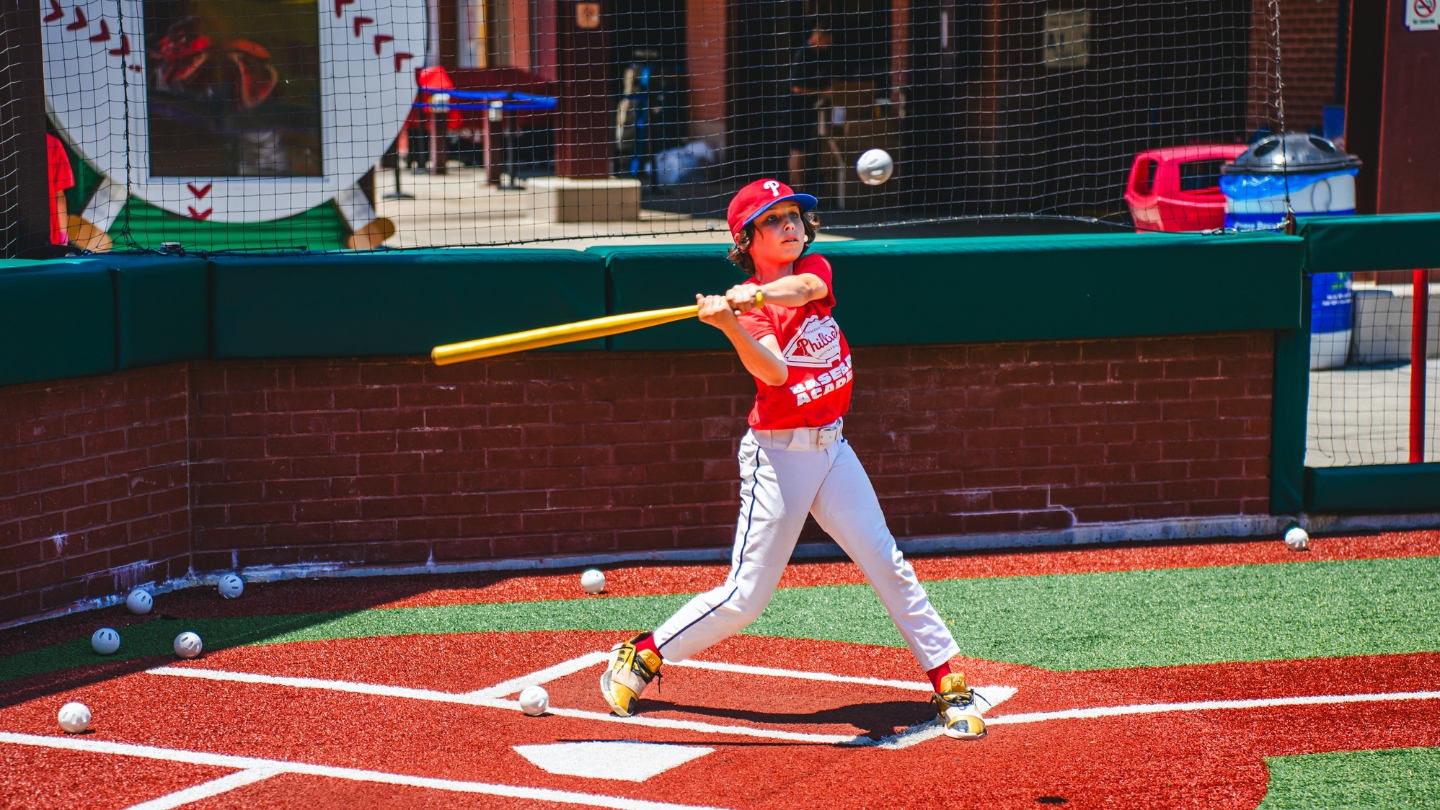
630, 671
958, 713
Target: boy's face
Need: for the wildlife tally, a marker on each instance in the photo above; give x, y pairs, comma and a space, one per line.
779, 235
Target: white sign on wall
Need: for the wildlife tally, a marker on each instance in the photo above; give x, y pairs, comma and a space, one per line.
1420, 15
1067, 39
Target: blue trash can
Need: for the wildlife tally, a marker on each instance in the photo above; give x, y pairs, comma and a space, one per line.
1320, 181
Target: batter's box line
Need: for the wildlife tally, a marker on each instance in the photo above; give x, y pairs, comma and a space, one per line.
494, 697
254, 769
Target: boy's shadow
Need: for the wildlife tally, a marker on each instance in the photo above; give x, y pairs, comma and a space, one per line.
874, 720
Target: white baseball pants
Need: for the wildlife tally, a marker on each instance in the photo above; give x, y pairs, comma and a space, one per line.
785, 475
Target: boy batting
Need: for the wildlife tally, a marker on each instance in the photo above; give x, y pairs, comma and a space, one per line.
794, 461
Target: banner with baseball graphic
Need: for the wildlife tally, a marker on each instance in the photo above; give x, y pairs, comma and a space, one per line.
238, 114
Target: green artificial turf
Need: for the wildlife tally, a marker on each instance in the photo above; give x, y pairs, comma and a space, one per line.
1355, 780
1060, 622
1154, 618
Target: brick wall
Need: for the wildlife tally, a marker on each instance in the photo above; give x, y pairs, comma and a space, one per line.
93, 488
1307, 52
400, 462
705, 45
1308, 36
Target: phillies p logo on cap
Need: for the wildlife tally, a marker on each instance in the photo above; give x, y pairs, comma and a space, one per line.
754, 199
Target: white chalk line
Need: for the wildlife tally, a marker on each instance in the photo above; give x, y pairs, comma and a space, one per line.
205, 790
484, 697
496, 703
1204, 705
746, 669
904, 739
352, 774
546, 675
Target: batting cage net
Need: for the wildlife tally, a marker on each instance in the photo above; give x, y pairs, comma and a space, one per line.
1375, 369
273, 125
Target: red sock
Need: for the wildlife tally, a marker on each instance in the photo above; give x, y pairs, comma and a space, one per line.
938, 673
647, 642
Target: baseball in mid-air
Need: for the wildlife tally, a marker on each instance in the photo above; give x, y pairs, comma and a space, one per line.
231, 586
592, 581
188, 645
534, 700
1297, 539
74, 717
105, 641
139, 601
874, 167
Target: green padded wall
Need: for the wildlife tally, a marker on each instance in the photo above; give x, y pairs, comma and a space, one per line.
1289, 414
990, 289
56, 321
1368, 490
400, 303
161, 309
664, 276
1387, 242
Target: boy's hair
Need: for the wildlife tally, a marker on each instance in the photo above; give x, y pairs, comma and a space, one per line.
740, 251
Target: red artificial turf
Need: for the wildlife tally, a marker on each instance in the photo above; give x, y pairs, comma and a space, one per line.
300, 792
1211, 759
46, 778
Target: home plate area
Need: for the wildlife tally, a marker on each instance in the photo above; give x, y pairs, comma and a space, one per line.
432, 720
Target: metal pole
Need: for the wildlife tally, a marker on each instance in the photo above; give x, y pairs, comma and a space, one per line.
1418, 332
402, 151
434, 139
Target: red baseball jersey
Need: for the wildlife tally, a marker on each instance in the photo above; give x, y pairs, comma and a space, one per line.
817, 392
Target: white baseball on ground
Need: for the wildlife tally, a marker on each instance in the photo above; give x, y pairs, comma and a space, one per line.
188, 645
139, 601
874, 167
534, 700
74, 717
592, 581
105, 641
1297, 539
231, 586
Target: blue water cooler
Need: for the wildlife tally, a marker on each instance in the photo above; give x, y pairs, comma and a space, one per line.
1320, 181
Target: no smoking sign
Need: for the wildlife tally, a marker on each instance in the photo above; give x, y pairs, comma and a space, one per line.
1420, 15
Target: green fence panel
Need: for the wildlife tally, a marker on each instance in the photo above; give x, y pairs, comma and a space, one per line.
23, 265
1386, 242
162, 309
990, 289
1371, 490
661, 277
57, 320
400, 303
1289, 417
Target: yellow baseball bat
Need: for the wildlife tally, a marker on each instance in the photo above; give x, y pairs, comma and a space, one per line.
567, 333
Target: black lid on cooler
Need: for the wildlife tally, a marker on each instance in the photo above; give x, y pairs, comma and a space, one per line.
1291, 153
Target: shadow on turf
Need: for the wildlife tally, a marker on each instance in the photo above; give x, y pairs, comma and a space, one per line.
875, 720
79, 667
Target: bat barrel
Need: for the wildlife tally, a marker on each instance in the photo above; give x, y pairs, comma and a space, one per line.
556, 335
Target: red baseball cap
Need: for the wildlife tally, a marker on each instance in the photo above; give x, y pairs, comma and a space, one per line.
756, 198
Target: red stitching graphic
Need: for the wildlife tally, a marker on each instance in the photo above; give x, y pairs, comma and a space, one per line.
199, 192
104, 34
200, 215
359, 21
80, 21
57, 14
381, 39
400, 58
340, 5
